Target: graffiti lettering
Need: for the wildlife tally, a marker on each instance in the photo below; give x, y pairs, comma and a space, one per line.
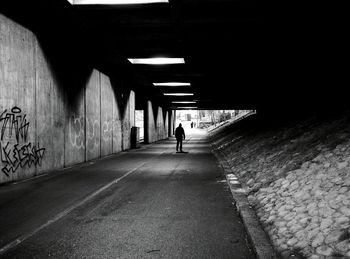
77, 132
15, 123
92, 134
107, 130
15, 151
20, 156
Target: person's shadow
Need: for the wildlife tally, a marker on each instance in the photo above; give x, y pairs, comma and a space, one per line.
183, 152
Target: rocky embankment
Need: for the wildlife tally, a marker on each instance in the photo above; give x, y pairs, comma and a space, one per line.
297, 176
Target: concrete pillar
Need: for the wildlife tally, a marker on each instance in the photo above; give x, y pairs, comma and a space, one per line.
166, 123
147, 118
156, 126
128, 119
171, 122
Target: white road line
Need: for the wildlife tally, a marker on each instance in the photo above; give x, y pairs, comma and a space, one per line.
24, 237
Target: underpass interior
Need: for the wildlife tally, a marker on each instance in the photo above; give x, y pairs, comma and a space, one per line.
170, 206
74, 83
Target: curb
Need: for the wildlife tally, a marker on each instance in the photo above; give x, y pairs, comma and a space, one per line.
258, 238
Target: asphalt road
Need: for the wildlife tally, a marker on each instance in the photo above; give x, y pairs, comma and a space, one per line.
167, 205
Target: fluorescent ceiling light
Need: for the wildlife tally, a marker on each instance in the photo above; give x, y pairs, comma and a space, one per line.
183, 102
172, 84
157, 61
190, 107
178, 94
115, 2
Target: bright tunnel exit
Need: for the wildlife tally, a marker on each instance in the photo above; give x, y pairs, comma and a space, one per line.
139, 121
206, 119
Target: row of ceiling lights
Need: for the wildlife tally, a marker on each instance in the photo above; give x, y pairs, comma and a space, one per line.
167, 61
147, 61
114, 2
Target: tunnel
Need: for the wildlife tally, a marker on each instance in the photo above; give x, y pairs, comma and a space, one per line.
174, 129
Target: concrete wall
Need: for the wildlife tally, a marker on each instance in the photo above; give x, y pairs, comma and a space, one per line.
41, 128
171, 123
156, 125
128, 120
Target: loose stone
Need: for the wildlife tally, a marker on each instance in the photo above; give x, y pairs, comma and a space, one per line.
325, 223
342, 165
295, 228
341, 220
302, 244
326, 212
346, 182
343, 190
313, 233
345, 211
334, 236
318, 240
304, 220
326, 165
324, 250
343, 246
292, 242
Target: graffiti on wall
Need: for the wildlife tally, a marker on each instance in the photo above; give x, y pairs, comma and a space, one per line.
92, 134
77, 131
15, 151
107, 130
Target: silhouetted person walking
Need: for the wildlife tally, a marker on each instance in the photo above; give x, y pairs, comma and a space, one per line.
179, 134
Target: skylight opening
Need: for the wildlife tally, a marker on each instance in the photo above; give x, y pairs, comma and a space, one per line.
157, 61
178, 94
115, 2
172, 84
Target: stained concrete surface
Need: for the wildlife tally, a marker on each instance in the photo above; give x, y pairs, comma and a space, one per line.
173, 206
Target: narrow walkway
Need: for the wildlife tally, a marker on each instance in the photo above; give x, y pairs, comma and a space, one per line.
166, 205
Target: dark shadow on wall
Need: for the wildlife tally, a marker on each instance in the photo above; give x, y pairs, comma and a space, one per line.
121, 93
164, 116
71, 69
155, 112
64, 41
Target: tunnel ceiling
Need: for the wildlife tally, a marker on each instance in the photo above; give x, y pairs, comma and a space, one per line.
239, 54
